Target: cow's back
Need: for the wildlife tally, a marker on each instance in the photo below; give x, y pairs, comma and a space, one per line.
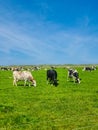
26, 74
17, 75
51, 74
21, 75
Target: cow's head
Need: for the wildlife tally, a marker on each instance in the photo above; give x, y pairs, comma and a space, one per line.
55, 83
34, 83
77, 80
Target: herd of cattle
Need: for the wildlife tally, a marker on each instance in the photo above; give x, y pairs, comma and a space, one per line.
51, 74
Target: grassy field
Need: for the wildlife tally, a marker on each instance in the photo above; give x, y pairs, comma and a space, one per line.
69, 106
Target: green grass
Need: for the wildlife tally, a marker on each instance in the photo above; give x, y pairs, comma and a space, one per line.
69, 106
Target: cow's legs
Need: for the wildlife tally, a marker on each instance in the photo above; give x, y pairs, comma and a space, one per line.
78, 80
25, 82
14, 82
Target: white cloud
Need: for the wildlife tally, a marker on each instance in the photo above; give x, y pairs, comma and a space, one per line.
43, 41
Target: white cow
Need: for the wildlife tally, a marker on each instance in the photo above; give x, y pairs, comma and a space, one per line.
23, 75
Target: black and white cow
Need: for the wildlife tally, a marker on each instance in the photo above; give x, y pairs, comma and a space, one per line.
4, 68
74, 75
52, 77
89, 68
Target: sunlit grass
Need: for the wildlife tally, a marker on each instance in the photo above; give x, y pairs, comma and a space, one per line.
69, 106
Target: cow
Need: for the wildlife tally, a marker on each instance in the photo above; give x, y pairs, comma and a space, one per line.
4, 68
74, 75
23, 76
89, 68
52, 77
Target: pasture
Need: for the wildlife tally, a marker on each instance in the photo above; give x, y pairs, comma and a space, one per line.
69, 106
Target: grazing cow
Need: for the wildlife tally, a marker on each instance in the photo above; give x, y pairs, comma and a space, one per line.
52, 77
4, 68
23, 76
74, 75
89, 68
36, 68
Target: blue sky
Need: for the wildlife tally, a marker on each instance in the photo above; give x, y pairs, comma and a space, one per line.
48, 32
